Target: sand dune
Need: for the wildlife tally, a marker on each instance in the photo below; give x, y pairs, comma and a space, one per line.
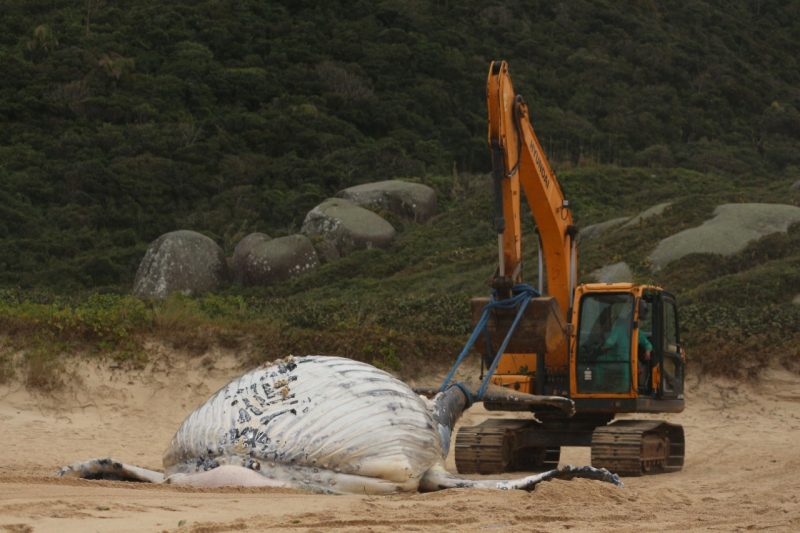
742, 468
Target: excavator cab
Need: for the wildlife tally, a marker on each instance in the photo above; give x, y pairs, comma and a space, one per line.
604, 353
627, 344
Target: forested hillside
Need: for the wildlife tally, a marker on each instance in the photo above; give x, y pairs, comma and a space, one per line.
123, 120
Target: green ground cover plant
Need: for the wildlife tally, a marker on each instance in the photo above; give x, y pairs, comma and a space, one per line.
406, 308
125, 120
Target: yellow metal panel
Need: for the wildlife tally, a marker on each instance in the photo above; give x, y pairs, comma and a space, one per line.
520, 383
516, 363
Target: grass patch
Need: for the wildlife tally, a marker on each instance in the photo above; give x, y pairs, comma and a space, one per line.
44, 368
406, 308
736, 311
7, 372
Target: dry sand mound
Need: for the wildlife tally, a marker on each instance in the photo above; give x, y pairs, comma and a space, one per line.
741, 468
729, 232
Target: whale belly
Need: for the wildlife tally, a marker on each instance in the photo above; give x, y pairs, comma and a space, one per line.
305, 418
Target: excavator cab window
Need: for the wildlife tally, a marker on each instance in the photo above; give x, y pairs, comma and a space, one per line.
646, 317
605, 327
671, 362
645, 340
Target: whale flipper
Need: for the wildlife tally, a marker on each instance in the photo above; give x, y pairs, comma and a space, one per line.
111, 469
438, 478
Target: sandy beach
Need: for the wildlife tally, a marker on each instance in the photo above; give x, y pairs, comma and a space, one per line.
741, 470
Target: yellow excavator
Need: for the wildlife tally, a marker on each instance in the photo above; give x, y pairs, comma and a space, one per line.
573, 355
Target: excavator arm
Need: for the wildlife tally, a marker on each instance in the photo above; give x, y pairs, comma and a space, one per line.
519, 164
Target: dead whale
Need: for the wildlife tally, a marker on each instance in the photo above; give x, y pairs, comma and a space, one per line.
322, 424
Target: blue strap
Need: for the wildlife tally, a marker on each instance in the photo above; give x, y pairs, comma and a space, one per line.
521, 296
467, 393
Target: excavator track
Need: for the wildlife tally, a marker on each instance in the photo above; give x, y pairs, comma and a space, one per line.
492, 448
638, 447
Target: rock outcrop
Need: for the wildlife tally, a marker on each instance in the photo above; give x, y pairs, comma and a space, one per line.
733, 227
339, 227
616, 273
647, 213
595, 230
260, 260
184, 261
406, 199
245, 249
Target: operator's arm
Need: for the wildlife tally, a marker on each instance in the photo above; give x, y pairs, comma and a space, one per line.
644, 343
612, 339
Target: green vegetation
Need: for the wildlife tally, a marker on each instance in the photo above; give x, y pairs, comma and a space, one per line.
125, 120
737, 311
407, 308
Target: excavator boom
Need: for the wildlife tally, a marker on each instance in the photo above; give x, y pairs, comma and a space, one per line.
520, 165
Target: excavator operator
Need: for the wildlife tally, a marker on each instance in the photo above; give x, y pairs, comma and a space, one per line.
645, 348
616, 346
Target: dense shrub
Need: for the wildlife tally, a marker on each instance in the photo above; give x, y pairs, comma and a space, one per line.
122, 121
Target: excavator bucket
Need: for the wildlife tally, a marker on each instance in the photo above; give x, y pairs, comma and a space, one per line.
541, 329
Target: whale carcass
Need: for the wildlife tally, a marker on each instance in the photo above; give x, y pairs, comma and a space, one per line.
318, 423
